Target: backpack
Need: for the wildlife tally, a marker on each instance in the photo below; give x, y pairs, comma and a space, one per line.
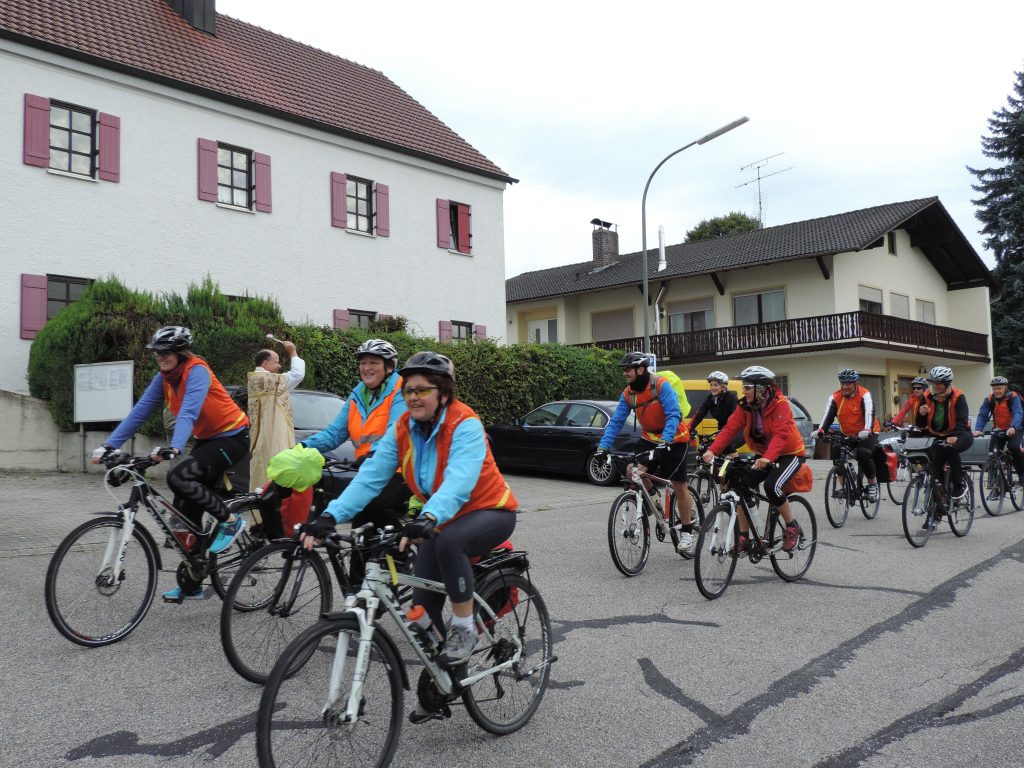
677, 385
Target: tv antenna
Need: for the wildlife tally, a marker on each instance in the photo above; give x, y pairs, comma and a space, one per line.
758, 165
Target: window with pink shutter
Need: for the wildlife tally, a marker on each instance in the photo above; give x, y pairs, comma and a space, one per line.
338, 197
443, 224
479, 332
444, 330
110, 147
340, 319
36, 149
207, 170
453, 226
382, 212
261, 168
33, 304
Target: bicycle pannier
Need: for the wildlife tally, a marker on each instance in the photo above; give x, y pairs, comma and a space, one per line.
801, 482
885, 463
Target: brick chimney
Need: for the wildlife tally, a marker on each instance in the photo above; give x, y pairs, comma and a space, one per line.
606, 243
201, 14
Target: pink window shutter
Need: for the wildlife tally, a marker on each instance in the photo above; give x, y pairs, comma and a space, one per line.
341, 319
339, 201
479, 332
33, 304
464, 235
110, 147
207, 172
261, 170
381, 210
443, 225
36, 147
444, 330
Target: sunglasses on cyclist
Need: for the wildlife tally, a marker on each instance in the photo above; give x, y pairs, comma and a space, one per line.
918, 389
417, 391
747, 386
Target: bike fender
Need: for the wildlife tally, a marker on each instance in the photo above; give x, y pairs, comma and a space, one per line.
385, 638
144, 532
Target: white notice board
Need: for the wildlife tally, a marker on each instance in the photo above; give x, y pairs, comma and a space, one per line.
103, 391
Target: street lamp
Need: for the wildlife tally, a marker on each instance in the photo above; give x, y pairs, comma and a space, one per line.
643, 213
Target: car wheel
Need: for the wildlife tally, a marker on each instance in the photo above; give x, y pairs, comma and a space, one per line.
600, 471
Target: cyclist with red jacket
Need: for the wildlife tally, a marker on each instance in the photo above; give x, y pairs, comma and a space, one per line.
765, 420
852, 407
911, 408
1004, 408
656, 406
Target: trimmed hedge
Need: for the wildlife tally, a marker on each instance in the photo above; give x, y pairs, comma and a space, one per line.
112, 322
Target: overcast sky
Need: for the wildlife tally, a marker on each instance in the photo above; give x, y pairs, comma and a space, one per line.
870, 103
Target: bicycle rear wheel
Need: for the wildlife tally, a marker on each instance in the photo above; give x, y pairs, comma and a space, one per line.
792, 565
296, 725
85, 603
897, 487
715, 558
696, 521
917, 522
961, 515
629, 535
837, 497
993, 486
279, 591
504, 702
705, 488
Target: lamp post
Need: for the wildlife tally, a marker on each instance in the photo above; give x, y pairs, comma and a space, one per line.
643, 213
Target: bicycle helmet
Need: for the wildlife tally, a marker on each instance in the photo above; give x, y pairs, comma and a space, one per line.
634, 360
171, 338
848, 376
999, 380
920, 381
719, 376
429, 362
378, 348
942, 374
756, 374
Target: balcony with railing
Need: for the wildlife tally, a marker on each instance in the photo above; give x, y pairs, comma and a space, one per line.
811, 334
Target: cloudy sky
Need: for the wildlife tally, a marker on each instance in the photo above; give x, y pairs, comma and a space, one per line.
870, 103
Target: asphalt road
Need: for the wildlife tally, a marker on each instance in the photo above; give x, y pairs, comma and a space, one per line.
882, 656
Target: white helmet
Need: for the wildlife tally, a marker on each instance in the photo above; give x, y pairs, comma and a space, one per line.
378, 347
719, 376
941, 374
757, 374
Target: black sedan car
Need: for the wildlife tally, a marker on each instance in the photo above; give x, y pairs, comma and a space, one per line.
562, 437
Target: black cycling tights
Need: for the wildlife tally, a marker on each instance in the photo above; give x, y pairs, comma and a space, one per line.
193, 478
942, 453
446, 557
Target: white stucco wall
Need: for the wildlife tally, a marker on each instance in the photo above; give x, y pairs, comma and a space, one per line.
152, 232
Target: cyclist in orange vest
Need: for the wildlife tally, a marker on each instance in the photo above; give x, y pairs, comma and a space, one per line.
202, 407
852, 407
1005, 410
441, 451
373, 406
656, 406
913, 404
949, 421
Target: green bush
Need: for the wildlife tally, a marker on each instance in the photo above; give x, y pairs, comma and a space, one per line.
112, 322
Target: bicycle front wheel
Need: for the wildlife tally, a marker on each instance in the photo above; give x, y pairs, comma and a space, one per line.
867, 507
715, 560
279, 591
897, 487
993, 486
917, 522
298, 725
792, 565
837, 494
629, 535
86, 602
505, 701
961, 514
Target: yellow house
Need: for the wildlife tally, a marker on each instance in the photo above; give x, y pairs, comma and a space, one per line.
890, 290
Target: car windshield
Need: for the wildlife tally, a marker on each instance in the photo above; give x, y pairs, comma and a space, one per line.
314, 411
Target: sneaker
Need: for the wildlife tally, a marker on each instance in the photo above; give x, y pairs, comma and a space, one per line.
960, 494
872, 492
741, 543
685, 542
458, 646
226, 535
177, 595
791, 536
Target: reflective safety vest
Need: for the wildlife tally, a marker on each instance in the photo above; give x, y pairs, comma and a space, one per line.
951, 401
1002, 416
651, 415
365, 432
491, 490
850, 412
218, 414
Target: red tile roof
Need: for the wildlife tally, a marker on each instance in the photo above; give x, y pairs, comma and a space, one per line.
243, 64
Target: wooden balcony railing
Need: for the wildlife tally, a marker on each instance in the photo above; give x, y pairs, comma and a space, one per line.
806, 334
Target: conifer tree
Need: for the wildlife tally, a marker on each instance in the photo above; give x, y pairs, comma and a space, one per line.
1001, 212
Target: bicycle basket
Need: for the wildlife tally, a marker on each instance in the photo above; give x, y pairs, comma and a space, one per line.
918, 444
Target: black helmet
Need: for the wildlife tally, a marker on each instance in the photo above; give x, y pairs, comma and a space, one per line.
998, 380
379, 348
171, 338
429, 362
634, 360
848, 375
757, 374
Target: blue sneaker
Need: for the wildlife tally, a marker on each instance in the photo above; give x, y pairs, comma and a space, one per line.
177, 595
226, 535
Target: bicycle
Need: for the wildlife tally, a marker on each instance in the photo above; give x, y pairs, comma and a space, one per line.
927, 498
717, 544
339, 686
844, 485
996, 482
103, 555
629, 527
702, 483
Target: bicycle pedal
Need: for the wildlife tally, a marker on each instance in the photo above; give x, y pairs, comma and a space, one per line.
176, 601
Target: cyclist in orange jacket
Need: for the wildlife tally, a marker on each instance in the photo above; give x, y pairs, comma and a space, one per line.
911, 408
852, 407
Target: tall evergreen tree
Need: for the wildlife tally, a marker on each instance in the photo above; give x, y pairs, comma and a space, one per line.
1001, 212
